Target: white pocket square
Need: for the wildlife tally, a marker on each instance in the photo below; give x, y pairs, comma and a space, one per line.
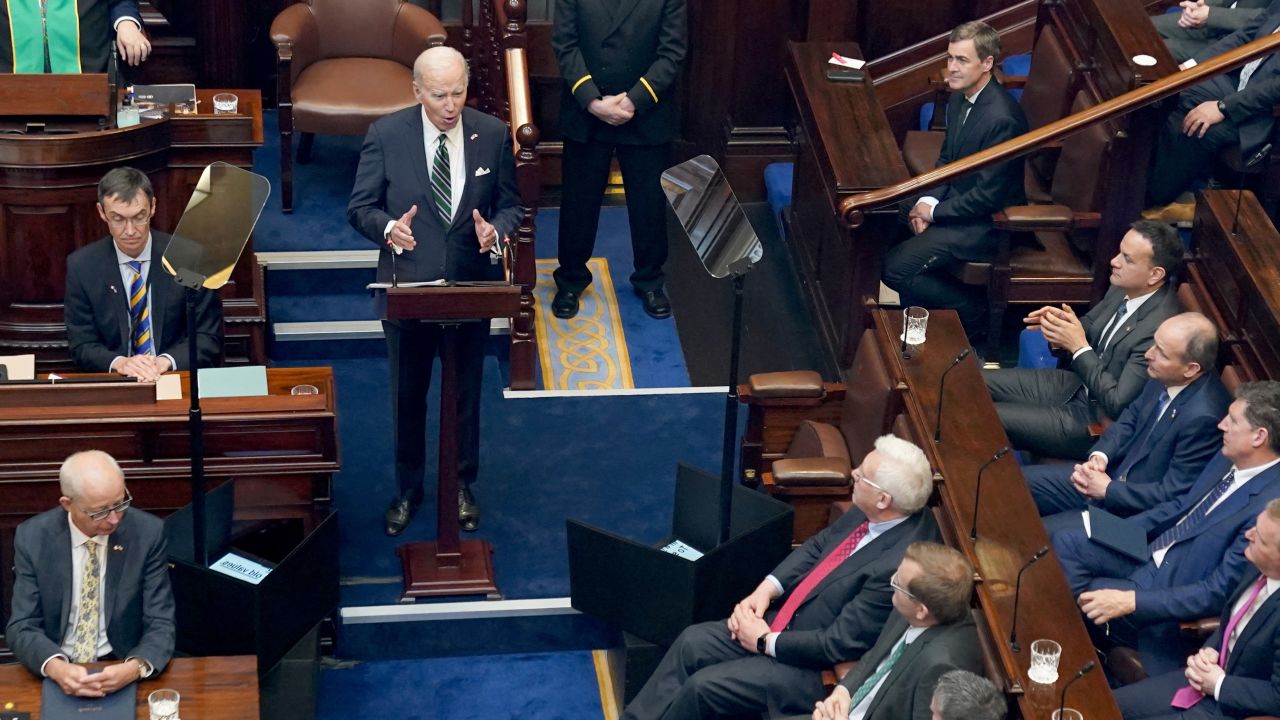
482, 171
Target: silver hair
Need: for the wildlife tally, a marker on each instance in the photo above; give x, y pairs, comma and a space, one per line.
904, 473
74, 469
440, 57
964, 696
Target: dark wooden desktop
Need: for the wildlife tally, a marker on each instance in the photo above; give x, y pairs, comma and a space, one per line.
281, 449
210, 688
1009, 527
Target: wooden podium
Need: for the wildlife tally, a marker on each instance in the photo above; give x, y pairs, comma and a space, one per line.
449, 566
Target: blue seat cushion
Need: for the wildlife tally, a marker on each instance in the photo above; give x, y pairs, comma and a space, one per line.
1033, 351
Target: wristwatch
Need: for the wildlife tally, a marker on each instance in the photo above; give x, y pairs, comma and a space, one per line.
1222, 108
760, 643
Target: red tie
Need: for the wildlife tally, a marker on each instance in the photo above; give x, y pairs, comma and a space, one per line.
817, 575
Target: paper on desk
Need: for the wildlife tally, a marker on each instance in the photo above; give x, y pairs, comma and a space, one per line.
248, 381
387, 285
838, 59
169, 387
20, 367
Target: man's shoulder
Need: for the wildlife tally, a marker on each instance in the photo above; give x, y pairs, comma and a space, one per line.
91, 253
481, 122
45, 522
397, 119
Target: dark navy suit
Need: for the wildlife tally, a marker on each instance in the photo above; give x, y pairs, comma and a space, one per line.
1149, 462
1252, 685
1198, 572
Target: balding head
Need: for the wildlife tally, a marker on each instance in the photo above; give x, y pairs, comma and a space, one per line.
1184, 348
92, 482
439, 59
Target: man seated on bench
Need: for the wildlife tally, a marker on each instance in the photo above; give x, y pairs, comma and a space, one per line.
824, 604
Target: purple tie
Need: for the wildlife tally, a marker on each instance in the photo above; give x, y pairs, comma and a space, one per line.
1189, 696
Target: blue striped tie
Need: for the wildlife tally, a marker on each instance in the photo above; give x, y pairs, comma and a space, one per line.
139, 313
1192, 519
441, 182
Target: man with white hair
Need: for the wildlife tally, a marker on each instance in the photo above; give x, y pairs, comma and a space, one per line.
436, 187
91, 584
824, 604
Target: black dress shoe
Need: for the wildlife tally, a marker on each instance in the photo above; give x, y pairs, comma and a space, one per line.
565, 304
468, 510
399, 515
656, 303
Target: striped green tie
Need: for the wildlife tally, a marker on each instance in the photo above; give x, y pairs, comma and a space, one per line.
870, 684
441, 181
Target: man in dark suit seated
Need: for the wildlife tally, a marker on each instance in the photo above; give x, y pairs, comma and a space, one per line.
1162, 440
124, 313
962, 695
1048, 411
930, 634
91, 583
1236, 674
436, 186
822, 605
1202, 22
1196, 540
1234, 108
952, 223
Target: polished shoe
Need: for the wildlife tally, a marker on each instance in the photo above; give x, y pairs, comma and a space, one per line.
565, 304
399, 515
1180, 212
655, 302
468, 510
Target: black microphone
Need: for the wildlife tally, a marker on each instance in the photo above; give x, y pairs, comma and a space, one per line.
391, 249
1257, 158
924, 267
937, 424
977, 489
1084, 670
1017, 591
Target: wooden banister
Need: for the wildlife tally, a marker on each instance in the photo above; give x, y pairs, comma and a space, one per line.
853, 208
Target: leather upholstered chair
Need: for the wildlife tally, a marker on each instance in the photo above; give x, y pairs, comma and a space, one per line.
343, 64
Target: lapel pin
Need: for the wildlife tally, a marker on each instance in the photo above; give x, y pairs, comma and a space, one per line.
1173, 414
475, 135
117, 548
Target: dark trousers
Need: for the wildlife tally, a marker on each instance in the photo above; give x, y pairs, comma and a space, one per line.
706, 674
1052, 489
1179, 160
919, 269
1150, 698
1042, 411
585, 168
411, 348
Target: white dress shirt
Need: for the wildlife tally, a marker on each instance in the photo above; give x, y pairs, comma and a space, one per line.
126, 278
1132, 305
1237, 482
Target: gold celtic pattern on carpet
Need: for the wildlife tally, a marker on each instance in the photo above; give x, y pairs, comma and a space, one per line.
588, 351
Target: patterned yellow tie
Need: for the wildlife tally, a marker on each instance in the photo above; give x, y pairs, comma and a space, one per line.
85, 647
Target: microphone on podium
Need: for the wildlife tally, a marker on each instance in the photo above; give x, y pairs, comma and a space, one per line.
1017, 591
937, 423
1257, 158
1084, 670
977, 490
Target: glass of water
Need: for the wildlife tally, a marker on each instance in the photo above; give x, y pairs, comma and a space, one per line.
1044, 661
163, 704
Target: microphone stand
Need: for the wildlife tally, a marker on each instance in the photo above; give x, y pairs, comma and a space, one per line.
1084, 670
1257, 158
977, 490
1017, 593
937, 423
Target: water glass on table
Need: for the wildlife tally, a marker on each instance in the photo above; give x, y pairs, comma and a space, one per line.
1044, 661
163, 704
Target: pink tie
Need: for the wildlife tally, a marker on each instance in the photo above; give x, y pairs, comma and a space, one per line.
817, 575
1189, 696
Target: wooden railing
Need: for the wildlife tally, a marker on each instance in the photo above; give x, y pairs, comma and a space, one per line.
495, 46
853, 208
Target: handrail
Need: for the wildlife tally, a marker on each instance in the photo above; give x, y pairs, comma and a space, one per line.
853, 208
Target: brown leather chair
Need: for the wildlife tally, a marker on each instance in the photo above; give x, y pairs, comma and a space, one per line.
343, 64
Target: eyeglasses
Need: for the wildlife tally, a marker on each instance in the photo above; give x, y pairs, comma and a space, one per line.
859, 477
893, 583
103, 514
122, 223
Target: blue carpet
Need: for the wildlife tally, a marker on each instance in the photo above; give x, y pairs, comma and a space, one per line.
545, 685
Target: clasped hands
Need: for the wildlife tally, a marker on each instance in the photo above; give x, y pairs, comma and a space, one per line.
146, 368
1090, 477
1194, 14
920, 217
1203, 670
76, 680
401, 234
613, 109
1060, 326
746, 622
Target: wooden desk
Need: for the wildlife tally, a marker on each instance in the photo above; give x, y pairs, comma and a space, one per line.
846, 147
1009, 527
281, 449
48, 192
211, 688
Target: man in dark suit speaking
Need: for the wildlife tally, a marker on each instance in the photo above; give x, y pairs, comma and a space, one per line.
823, 604
124, 313
91, 583
952, 223
436, 186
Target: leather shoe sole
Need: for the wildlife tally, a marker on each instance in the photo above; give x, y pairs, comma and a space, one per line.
468, 510
655, 303
399, 515
565, 304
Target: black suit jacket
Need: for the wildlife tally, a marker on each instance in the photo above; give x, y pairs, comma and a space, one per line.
394, 175
1160, 460
1250, 109
606, 47
96, 32
908, 688
1116, 375
137, 599
995, 118
839, 619
96, 307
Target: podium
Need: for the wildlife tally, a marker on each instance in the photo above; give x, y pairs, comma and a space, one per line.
449, 566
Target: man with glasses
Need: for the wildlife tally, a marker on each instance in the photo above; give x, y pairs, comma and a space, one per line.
112, 562
824, 604
124, 313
